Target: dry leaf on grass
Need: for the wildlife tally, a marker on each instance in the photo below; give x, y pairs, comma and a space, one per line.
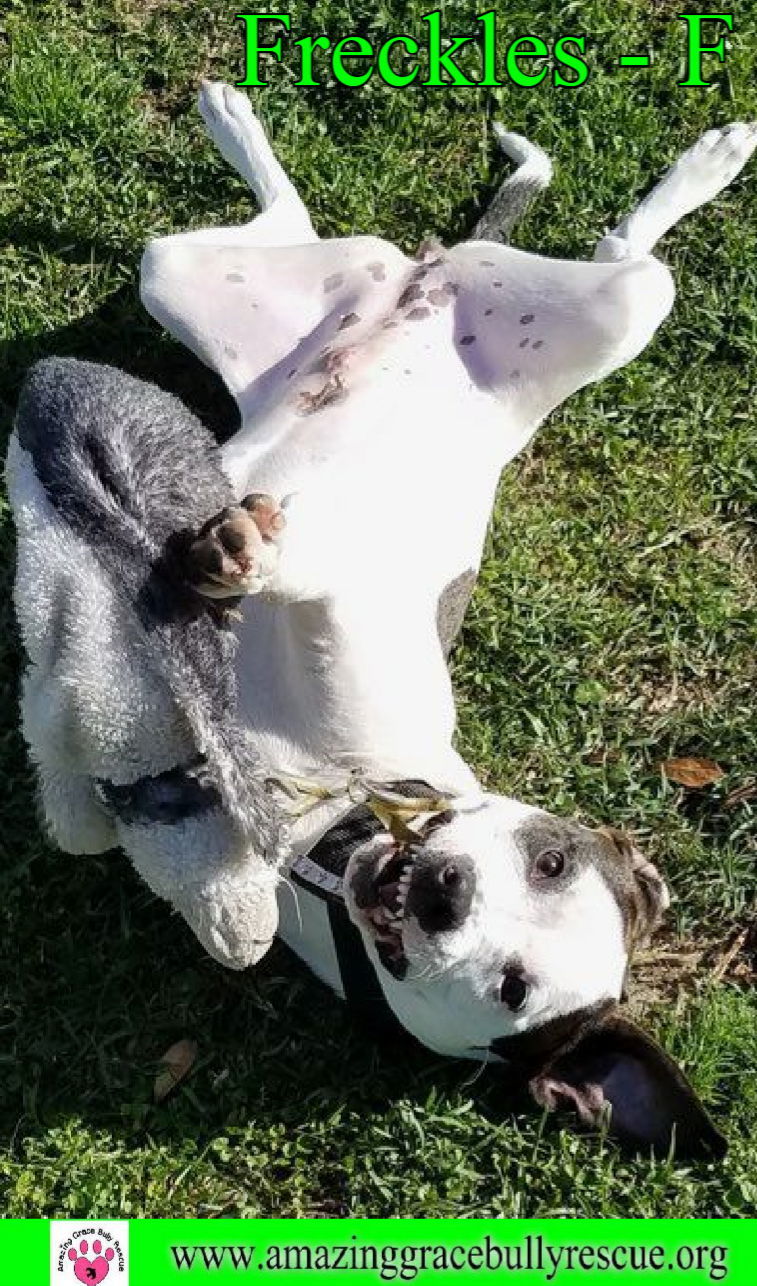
729, 955
176, 1063
694, 773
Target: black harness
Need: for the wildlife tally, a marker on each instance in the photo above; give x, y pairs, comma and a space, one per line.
321, 874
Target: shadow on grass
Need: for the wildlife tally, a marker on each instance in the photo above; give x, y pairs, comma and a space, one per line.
119, 333
101, 979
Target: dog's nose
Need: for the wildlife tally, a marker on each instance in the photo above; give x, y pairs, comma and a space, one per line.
441, 891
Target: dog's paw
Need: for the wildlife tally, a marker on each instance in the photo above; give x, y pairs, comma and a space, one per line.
712, 163
235, 552
234, 128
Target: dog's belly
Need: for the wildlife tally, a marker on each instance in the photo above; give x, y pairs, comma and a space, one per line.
391, 487
393, 469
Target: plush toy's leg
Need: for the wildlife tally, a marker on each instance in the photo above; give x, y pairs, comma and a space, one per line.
699, 175
129, 708
226, 894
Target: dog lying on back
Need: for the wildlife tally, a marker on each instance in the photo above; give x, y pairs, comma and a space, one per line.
382, 396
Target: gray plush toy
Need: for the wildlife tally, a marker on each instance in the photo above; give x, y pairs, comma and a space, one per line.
129, 698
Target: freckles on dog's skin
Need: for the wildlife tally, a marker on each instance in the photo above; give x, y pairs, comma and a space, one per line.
410, 294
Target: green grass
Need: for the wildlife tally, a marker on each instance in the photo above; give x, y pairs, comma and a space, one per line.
614, 626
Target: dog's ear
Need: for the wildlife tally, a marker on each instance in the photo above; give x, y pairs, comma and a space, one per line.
650, 898
616, 1073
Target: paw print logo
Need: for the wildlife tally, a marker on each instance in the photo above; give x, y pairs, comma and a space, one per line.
90, 1271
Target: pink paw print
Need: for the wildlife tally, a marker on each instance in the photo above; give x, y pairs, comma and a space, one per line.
91, 1271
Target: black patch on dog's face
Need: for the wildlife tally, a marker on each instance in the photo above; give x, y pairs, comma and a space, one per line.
529, 1050
610, 852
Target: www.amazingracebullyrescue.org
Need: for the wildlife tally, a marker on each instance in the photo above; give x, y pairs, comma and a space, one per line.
404, 1263
482, 59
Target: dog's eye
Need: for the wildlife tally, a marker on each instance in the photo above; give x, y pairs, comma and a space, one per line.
549, 864
513, 991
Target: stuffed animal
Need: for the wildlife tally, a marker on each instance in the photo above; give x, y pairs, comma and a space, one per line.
129, 697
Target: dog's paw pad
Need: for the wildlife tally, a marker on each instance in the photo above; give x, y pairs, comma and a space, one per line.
234, 553
265, 513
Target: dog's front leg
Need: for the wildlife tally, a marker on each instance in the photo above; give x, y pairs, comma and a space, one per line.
235, 552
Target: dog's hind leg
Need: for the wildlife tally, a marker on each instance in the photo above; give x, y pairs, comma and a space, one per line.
241, 140
699, 175
571, 324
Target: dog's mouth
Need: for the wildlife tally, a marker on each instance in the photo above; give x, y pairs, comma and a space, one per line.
383, 908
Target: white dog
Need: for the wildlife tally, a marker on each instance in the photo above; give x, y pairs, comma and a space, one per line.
381, 396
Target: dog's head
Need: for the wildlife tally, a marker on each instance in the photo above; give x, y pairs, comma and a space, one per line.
506, 932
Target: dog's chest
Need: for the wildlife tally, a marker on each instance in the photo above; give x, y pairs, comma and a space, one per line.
313, 918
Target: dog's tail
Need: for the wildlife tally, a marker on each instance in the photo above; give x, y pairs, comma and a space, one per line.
515, 195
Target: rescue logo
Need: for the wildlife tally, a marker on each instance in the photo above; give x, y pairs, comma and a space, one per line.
89, 1253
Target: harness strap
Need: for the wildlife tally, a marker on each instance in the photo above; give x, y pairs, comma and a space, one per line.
321, 873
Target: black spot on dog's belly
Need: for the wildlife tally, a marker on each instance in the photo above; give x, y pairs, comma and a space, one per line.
538, 343
497, 285
451, 608
467, 339
349, 319
526, 319
439, 297
488, 312
409, 295
524, 343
